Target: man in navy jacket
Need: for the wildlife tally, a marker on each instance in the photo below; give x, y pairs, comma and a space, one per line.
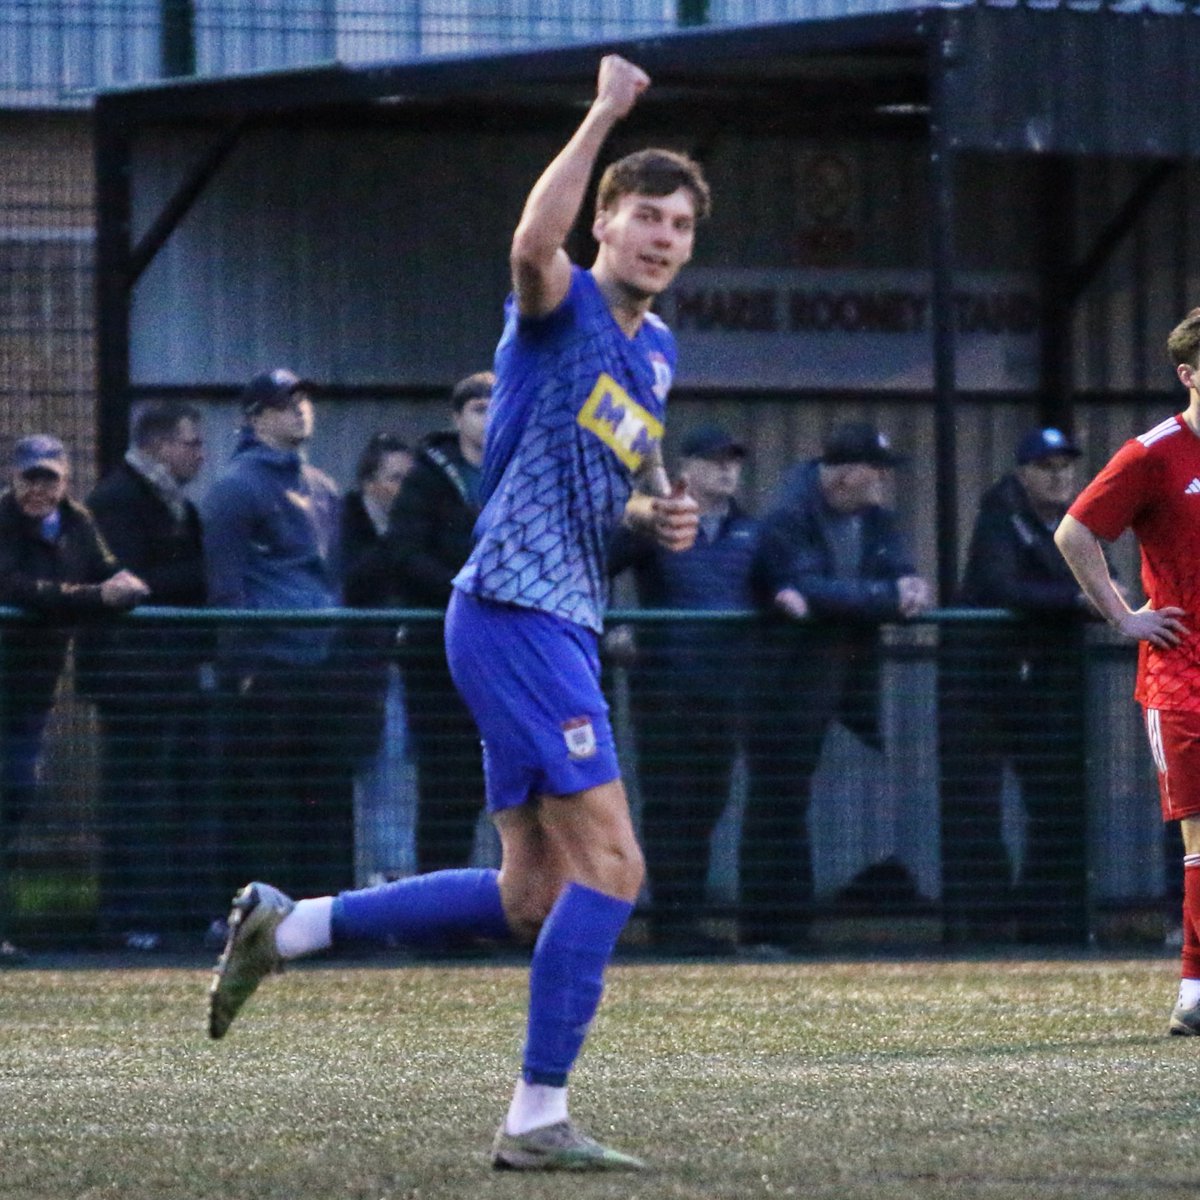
687, 684
829, 550
271, 525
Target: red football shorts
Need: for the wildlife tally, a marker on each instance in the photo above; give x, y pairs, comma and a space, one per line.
1175, 744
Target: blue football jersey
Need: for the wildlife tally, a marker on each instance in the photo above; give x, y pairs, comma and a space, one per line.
577, 408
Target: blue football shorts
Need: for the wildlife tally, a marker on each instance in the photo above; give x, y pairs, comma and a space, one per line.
532, 682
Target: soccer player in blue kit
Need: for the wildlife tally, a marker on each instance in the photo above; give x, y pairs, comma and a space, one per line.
573, 448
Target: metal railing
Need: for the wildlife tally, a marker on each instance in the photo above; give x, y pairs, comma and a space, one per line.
981, 779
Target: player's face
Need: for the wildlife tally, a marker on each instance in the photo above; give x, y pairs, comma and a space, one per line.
645, 240
39, 491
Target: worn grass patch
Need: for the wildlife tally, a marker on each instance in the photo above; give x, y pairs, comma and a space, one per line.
1000, 1080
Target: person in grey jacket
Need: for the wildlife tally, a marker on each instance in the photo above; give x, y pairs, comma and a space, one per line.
271, 526
828, 550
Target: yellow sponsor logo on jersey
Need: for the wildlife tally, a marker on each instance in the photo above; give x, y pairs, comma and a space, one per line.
622, 424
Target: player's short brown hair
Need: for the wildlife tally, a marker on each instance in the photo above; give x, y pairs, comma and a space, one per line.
654, 172
1183, 342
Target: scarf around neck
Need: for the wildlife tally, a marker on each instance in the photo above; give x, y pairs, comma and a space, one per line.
165, 485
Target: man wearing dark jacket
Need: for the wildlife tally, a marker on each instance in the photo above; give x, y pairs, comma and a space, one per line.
271, 525
145, 681
829, 550
428, 540
1014, 693
687, 684
53, 562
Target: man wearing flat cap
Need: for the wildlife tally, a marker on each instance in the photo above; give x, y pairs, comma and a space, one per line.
271, 525
687, 684
1013, 693
55, 563
829, 550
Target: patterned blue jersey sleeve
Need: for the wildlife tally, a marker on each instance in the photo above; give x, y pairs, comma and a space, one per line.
576, 409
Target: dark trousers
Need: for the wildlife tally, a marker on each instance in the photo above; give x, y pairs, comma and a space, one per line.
1025, 710
783, 748
799, 677
687, 740
21, 732
158, 865
449, 761
286, 785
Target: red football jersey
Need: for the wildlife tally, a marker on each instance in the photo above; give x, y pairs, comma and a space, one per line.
1152, 486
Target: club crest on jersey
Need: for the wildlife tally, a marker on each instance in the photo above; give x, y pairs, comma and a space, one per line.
622, 424
580, 737
662, 374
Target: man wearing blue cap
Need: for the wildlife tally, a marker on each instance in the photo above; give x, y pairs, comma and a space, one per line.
1013, 693
53, 562
271, 541
687, 684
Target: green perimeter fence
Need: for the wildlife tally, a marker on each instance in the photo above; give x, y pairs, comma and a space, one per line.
966, 778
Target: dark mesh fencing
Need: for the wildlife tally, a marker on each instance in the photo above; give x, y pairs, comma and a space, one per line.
971, 778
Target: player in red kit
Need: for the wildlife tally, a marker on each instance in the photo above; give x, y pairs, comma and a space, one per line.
1152, 486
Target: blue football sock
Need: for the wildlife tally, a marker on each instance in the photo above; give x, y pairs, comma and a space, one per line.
423, 910
567, 979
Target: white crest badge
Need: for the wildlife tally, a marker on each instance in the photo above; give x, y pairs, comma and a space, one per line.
580, 737
662, 374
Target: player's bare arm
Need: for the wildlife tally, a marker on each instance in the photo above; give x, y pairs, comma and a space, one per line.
1161, 627
541, 270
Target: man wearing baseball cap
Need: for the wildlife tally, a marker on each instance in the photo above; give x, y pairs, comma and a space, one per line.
687, 685
1013, 694
53, 562
830, 550
271, 526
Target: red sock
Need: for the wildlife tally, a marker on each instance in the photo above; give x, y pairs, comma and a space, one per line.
1191, 917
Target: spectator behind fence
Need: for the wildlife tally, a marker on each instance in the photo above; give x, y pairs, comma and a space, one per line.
429, 538
53, 562
271, 524
382, 842
1014, 693
382, 467
145, 680
828, 550
687, 690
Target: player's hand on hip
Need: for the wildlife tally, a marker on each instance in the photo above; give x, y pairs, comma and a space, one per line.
1161, 627
620, 83
675, 519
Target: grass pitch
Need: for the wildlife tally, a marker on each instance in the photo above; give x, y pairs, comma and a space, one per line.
1005, 1080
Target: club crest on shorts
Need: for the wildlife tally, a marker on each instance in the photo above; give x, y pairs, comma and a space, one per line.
580, 737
